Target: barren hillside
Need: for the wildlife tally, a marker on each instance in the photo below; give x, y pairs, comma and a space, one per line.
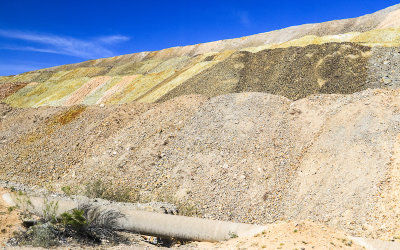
294, 62
291, 125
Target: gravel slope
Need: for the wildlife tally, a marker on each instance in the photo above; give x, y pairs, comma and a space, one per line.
248, 157
242, 130
294, 62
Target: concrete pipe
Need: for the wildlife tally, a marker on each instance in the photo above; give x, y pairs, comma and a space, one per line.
119, 217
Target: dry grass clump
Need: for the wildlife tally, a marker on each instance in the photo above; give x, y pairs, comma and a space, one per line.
105, 190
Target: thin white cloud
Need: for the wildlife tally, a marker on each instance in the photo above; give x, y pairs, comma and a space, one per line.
28, 48
64, 45
242, 17
113, 39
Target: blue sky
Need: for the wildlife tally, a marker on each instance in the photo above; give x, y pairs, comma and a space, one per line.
38, 34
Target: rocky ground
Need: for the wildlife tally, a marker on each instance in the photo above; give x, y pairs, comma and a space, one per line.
281, 235
290, 235
384, 68
298, 127
249, 157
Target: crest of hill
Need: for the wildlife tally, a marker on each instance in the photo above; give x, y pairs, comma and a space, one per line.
386, 18
332, 57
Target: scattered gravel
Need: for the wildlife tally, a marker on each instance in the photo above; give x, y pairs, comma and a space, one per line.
383, 70
294, 72
302, 150
248, 157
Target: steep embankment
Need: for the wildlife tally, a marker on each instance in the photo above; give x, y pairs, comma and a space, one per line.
293, 62
192, 126
247, 157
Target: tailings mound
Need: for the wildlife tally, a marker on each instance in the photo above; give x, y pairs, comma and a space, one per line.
249, 157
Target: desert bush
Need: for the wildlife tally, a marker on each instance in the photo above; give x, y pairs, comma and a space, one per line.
70, 225
50, 211
105, 190
67, 190
75, 219
184, 208
187, 209
44, 235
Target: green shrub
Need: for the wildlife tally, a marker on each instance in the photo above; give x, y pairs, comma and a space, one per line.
75, 219
233, 235
95, 189
67, 190
10, 209
187, 209
50, 211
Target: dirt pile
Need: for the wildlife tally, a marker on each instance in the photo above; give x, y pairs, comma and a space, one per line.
282, 235
275, 126
294, 72
249, 157
294, 62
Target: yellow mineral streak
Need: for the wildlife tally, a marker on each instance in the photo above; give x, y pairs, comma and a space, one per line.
321, 82
79, 95
32, 84
44, 93
96, 94
57, 76
56, 94
258, 48
384, 37
174, 63
158, 93
140, 86
25, 77
125, 81
131, 68
181, 76
82, 72
307, 40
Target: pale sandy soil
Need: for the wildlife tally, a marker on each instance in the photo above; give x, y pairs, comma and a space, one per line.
392, 20
9, 220
289, 235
